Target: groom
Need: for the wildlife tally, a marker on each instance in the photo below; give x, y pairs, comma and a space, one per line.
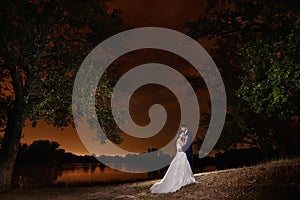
187, 148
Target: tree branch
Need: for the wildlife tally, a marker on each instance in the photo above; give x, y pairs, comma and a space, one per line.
249, 137
16, 82
250, 143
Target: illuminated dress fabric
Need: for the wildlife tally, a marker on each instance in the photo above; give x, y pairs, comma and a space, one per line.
178, 175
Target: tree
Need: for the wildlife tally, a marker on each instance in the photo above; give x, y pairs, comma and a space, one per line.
37, 164
271, 86
41, 151
260, 39
42, 45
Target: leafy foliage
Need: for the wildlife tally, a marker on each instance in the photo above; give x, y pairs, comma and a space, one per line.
44, 42
271, 84
261, 38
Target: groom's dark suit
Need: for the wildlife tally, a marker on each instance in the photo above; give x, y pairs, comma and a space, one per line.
187, 148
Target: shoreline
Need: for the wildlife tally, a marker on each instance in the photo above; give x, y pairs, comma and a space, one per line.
270, 180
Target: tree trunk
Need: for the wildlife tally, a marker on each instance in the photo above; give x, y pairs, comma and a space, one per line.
288, 145
13, 131
10, 147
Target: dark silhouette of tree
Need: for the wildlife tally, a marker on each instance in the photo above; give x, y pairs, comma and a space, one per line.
42, 45
72, 158
41, 151
259, 42
37, 164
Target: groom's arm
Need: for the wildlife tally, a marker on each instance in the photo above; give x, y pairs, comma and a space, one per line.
186, 140
190, 137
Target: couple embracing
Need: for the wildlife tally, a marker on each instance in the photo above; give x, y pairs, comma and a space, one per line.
180, 171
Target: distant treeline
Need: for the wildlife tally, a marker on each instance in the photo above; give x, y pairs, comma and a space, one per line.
40, 163
230, 159
45, 151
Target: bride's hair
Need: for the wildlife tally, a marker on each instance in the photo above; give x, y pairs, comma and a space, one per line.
178, 135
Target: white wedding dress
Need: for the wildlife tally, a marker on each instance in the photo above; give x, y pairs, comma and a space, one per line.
178, 175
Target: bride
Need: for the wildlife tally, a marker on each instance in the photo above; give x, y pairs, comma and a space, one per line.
179, 173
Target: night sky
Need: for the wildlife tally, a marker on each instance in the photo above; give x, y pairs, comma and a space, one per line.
140, 13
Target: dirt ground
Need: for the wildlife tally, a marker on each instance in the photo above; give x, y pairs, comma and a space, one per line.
273, 180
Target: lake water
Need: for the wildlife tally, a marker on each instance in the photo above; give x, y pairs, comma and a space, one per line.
90, 173
80, 174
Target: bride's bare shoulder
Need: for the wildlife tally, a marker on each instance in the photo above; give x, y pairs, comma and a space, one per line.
178, 141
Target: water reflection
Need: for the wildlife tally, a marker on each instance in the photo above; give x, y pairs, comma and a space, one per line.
34, 175
76, 173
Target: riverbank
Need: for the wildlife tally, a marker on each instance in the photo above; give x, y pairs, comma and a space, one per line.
271, 180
